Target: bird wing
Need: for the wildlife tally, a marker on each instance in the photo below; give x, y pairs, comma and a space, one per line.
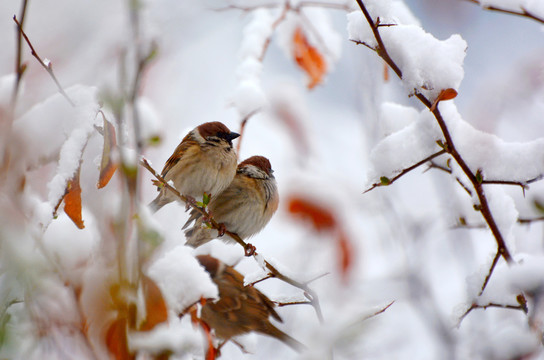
183, 146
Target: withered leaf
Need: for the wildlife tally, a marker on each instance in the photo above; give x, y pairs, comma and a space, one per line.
107, 165
72, 200
309, 59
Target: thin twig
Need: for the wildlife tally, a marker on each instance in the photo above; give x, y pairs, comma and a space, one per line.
359, 42
47, 66
19, 67
465, 225
302, 302
530, 220
379, 311
523, 184
490, 305
380, 49
268, 276
523, 12
387, 181
317, 278
491, 268
243, 127
296, 7
434, 165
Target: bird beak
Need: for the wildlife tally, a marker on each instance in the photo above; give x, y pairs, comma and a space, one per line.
232, 136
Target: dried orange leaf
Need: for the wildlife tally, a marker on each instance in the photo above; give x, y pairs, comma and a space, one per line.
446, 94
309, 59
155, 306
72, 200
116, 340
345, 254
107, 165
320, 217
385, 72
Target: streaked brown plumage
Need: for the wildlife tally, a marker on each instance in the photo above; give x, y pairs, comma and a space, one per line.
240, 309
244, 207
204, 161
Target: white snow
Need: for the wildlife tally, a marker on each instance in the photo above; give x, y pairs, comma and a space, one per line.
150, 124
248, 95
405, 147
177, 335
181, 279
428, 65
498, 159
7, 83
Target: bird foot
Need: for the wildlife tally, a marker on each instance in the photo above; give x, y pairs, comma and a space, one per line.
191, 202
250, 250
222, 229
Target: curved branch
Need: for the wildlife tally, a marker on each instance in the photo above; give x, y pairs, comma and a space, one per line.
248, 248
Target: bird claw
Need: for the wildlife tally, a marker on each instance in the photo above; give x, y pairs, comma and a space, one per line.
221, 229
191, 202
250, 250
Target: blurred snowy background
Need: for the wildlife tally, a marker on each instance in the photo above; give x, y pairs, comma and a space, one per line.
406, 243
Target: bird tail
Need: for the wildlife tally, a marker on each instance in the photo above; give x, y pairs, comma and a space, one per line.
158, 203
280, 335
198, 235
194, 216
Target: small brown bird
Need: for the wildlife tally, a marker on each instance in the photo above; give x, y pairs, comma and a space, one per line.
204, 162
240, 309
244, 207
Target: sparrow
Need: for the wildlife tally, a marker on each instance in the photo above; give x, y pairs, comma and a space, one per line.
204, 162
244, 207
240, 309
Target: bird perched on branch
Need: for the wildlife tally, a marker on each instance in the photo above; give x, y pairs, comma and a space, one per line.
204, 162
244, 207
240, 309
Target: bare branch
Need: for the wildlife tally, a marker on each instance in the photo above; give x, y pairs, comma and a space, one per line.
434, 165
523, 184
529, 221
491, 268
379, 311
386, 181
523, 12
19, 67
380, 49
243, 127
317, 278
449, 145
358, 42
281, 304
297, 7
47, 66
268, 276
490, 305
